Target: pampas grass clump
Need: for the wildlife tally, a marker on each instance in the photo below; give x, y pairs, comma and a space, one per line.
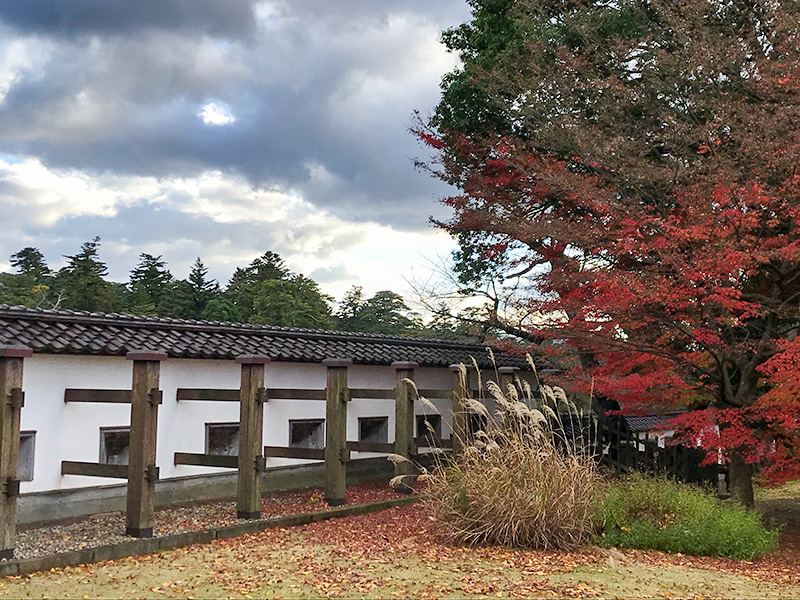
521, 481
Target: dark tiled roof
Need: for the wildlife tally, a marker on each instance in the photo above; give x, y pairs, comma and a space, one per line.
648, 422
69, 332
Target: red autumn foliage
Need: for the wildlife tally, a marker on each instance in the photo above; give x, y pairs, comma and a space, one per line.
649, 191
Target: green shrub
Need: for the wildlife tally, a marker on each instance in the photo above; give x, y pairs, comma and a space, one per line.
515, 484
659, 514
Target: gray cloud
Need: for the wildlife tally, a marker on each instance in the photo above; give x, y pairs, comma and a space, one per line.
76, 17
322, 94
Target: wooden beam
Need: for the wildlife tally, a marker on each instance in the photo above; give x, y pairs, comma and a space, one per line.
206, 460
208, 395
385, 448
426, 442
336, 454
104, 396
304, 453
288, 394
371, 394
436, 394
142, 470
90, 469
11, 401
251, 426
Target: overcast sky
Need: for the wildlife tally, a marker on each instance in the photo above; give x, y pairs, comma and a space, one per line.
222, 129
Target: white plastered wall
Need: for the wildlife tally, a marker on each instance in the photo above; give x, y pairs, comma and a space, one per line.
71, 431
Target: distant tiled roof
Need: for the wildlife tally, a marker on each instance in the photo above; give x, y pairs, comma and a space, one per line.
648, 422
70, 332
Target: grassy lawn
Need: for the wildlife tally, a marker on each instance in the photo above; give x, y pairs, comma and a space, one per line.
396, 554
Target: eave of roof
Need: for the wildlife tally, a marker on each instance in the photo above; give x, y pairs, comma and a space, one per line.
74, 332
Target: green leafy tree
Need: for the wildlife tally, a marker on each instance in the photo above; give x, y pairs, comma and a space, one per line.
221, 309
466, 104
384, 313
294, 301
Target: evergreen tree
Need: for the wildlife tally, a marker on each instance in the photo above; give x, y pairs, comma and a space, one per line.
149, 283
30, 261
245, 282
30, 286
385, 313
80, 283
196, 292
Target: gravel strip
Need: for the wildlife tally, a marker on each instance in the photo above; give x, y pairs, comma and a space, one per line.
105, 529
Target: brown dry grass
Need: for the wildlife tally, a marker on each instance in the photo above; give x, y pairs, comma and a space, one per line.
519, 482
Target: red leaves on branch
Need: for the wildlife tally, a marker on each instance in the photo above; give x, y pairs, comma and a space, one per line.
666, 244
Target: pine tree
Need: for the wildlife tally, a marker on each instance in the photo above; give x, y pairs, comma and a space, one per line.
81, 284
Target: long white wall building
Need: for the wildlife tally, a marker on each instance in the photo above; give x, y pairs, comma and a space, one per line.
73, 350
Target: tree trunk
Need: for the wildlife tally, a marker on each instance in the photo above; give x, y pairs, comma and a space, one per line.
740, 480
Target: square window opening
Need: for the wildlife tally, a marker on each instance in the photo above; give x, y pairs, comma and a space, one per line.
27, 447
114, 443
373, 429
435, 422
222, 439
307, 433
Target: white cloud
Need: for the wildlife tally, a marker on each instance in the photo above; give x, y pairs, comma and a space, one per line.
47, 196
19, 58
216, 113
248, 221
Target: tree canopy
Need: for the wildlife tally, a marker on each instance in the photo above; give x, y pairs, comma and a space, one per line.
628, 170
265, 292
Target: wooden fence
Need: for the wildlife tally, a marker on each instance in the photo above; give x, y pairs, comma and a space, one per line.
623, 450
145, 397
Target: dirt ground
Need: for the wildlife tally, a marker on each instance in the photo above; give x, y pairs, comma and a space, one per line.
398, 554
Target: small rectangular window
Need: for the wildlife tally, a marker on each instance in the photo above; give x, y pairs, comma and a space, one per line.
307, 433
222, 439
432, 430
27, 446
114, 442
373, 429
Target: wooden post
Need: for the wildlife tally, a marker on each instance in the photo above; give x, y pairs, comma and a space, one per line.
11, 401
460, 416
404, 424
336, 455
252, 396
142, 470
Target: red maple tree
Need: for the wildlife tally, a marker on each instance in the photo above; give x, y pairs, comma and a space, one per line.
636, 163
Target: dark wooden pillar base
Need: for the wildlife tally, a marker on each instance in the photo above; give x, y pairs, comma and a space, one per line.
404, 397
146, 532
12, 399
142, 470
336, 454
403, 488
252, 396
244, 514
460, 394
